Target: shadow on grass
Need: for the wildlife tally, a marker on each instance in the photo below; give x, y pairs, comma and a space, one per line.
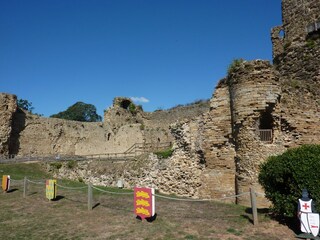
32, 193
96, 205
12, 190
292, 223
148, 219
58, 198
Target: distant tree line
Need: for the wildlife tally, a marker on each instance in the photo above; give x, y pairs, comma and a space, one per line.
79, 111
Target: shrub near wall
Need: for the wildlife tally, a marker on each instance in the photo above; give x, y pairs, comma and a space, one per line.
283, 177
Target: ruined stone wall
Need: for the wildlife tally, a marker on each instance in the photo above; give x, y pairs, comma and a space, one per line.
8, 106
254, 94
296, 16
25, 134
218, 178
37, 136
299, 71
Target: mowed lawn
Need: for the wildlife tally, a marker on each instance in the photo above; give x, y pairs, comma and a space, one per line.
68, 217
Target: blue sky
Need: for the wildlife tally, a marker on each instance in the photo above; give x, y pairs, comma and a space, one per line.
162, 52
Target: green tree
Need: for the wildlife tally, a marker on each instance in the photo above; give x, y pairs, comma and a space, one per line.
284, 176
25, 104
80, 111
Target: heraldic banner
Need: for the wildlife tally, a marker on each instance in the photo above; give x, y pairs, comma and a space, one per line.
5, 182
144, 202
51, 189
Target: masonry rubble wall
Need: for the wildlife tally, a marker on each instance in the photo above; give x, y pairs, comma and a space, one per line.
217, 153
254, 93
8, 106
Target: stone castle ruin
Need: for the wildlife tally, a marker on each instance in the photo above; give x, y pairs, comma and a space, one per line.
260, 109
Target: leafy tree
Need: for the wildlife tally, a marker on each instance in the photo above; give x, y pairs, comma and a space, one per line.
25, 104
80, 112
284, 176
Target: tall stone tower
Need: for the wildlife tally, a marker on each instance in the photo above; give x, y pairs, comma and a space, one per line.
296, 58
282, 99
300, 25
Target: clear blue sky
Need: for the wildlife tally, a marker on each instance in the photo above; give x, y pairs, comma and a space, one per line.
57, 52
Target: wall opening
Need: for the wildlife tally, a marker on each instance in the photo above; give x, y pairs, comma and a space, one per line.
125, 104
281, 34
313, 30
265, 130
109, 135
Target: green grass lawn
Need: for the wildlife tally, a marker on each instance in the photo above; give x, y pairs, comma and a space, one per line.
112, 217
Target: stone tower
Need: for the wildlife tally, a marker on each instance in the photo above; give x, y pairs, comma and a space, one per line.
254, 102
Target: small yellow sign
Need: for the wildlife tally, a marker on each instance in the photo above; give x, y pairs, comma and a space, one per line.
51, 189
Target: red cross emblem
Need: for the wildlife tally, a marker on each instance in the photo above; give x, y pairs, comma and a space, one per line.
306, 206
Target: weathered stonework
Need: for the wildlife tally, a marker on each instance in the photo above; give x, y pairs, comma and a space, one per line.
25, 134
283, 98
257, 111
8, 106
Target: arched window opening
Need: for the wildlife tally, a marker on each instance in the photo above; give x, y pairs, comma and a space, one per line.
125, 104
281, 34
265, 127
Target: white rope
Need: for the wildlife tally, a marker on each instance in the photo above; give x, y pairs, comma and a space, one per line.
71, 188
35, 182
181, 199
14, 180
261, 194
199, 200
118, 193
238, 195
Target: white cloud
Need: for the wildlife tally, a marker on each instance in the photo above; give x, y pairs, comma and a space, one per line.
140, 99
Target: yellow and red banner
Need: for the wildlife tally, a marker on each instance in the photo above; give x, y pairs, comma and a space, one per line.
5, 182
51, 189
144, 202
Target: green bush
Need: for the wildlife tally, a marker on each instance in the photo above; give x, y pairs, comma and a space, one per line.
132, 108
71, 164
284, 176
56, 165
165, 153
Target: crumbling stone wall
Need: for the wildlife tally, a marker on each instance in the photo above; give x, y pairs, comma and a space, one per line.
218, 153
296, 16
254, 93
37, 136
218, 177
8, 106
25, 134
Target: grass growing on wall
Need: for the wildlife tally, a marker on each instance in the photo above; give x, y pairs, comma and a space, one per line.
165, 153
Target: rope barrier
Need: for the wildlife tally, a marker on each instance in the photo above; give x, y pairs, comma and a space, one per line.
36, 182
131, 193
117, 193
238, 195
14, 180
71, 188
199, 200
181, 199
261, 194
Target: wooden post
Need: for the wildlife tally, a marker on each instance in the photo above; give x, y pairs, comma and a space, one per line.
254, 206
89, 196
25, 185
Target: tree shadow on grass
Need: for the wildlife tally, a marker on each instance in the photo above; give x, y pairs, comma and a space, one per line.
292, 223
